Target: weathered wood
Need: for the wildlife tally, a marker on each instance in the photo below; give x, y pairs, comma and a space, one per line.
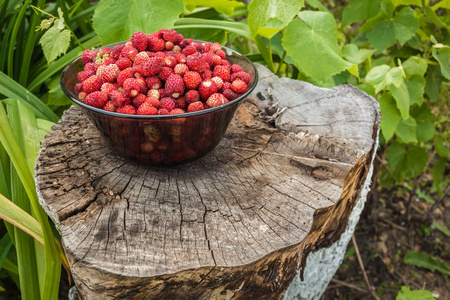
238, 223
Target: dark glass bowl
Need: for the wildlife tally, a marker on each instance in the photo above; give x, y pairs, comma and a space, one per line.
161, 139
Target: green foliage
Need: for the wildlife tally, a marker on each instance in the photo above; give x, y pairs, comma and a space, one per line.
424, 260
406, 294
222, 6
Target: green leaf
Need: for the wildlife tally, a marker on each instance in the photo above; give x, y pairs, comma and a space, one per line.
394, 76
425, 131
318, 5
441, 228
424, 260
5, 246
54, 43
437, 172
401, 28
444, 4
360, 10
406, 163
416, 89
434, 80
191, 23
222, 6
407, 2
435, 19
401, 96
377, 77
355, 55
440, 148
442, 55
59, 22
55, 94
115, 21
267, 17
406, 294
311, 42
406, 130
390, 115
414, 65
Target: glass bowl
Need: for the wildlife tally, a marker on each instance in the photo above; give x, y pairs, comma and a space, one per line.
161, 140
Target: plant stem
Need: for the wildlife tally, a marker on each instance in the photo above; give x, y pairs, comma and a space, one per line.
281, 63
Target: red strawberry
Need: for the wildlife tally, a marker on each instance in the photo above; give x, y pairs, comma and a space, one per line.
152, 66
131, 87
192, 79
195, 106
123, 75
153, 82
107, 87
129, 51
221, 53
207, 88
218, 81
123, 63
180, 57
165, 73
138, 100
229, 94
208, 57
118, 99
153, 93
206, 74
92, 84
192, 96
82, 96
196, 62
143, 85
139, 41
127, 109
180, 69
181, 102
88, 56
222, 72
242, 75
216, 60
216, 100
170, 61
238, 86
90, 67
153, 101
170, 35
226, 85
189, 50
109, 106
236, 68
78, 88
96, 99
155, 43
168, 103
147, 108
83, 75
138, 71
110, 73
177, 111
214, 47
169, 45
141, 57
176, 48
163, 111
115, 53
174, 86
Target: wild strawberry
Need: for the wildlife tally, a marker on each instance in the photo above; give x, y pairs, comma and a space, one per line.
163, 111
195, 106
109, 106
131, 87
143, 85
170, 61
181, 102
123, 63
139, 41
226, 85
138, 71
90, 66
242, 75
238, 86
96, 99
221, 53
196, 62
138, 100
236, 68
153, 82
208, 57
218, 81
206, 74
177, 111
117, 98
176, 48
127, 109
165, 73
110, 73
78, 88
108, 60
169, 45
123, 75
107, 87
180, 69
82, 96
155, 43
199, 46
88, 56
107, 51
206, 47
153, 101
147, 108
161, 92
214, 47
180, 57
168, 103
222, 72
115, 53
129, 51
170, 35
141, 57
159, 54
192, 79
216, 60
189, 50
207, 88
216, 99
152, 66
192, 96
83, 75
229, 94
92, 84
174, 86
153, 93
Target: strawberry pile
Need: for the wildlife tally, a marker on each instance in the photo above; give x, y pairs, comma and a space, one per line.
158, 74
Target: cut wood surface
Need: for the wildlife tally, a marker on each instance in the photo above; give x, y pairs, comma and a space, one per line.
237, 223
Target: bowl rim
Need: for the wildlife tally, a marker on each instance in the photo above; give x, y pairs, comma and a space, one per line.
228, 51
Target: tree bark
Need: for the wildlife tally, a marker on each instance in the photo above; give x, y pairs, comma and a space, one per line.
238, 223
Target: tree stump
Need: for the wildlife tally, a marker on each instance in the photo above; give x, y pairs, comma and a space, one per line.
238, 223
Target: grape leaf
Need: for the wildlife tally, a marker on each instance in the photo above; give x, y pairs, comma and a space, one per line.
355, 55
54, 42
416, 89
434, 80
405, 164
440, 148
394, 76
414, 65
267, 17
311, 42
390, 115
377, 77
406, 294
222, 6
360, 10
406, 130
59, 22
116, 20
401, 96
442, 55
386, 32
443, 4
435, 19
425, 131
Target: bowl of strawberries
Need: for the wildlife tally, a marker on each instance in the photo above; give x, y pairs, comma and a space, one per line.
160, 99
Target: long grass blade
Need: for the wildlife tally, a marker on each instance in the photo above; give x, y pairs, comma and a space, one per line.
12, 89
5, 246
239, 28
